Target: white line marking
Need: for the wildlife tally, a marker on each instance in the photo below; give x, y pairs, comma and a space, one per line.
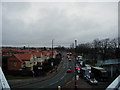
52, 83
62, 77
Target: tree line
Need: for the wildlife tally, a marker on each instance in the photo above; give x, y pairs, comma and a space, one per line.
99, 49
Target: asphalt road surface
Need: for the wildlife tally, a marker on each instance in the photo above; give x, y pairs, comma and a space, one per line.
60, 79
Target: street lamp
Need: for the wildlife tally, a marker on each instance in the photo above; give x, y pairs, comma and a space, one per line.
52, 62
52, 48
75, 63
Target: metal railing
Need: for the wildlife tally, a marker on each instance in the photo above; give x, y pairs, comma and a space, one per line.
115, 85
3, 82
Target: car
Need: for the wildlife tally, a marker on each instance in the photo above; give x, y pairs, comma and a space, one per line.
91, 80
77, 67
69, 70
70, 59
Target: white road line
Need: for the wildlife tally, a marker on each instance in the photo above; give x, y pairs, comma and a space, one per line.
52, 83
68, 82
62, 77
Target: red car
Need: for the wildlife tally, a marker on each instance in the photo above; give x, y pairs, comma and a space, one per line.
69, 70
77, 68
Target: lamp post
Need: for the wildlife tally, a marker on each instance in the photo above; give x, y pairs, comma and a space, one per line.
52, 48
52, 62
75, 63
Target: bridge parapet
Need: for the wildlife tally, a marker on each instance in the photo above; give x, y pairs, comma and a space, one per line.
3, 82
115, 85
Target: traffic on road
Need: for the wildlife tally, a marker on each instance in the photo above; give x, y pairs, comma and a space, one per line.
71, 67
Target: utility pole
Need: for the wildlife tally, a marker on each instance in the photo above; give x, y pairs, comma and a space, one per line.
52, 48
52, 61
75, 62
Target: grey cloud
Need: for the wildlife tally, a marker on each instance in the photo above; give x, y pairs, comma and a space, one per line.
39, 23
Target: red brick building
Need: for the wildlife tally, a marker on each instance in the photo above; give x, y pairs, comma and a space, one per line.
28, 60
17, 61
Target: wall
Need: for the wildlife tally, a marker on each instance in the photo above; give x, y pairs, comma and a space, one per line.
14, 64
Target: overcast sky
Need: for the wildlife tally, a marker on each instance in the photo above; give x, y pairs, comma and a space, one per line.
36, 24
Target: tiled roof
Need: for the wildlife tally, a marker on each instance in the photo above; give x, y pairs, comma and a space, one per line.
38, 54
50, 51
25, 56
19, 50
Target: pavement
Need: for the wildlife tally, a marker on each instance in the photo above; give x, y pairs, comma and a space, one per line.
80, 83
83, 84
20, 82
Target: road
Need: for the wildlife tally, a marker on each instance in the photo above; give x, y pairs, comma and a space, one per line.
60, 79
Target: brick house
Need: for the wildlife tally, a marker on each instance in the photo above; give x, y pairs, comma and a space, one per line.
19, 61
28, 60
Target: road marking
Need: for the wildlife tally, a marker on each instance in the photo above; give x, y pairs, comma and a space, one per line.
68, 82
52, 83
63, 76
